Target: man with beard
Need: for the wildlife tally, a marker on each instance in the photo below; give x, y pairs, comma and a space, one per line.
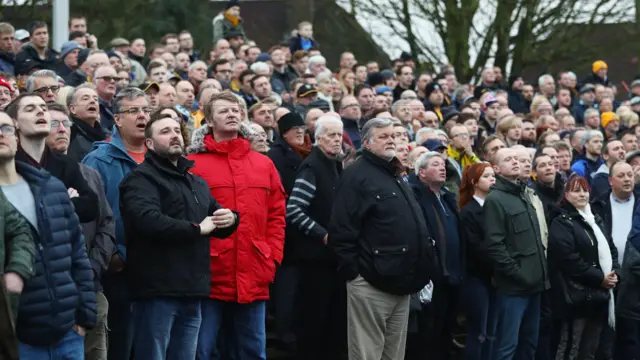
34, 121
160, 200
262, 115
517, 102
588, 163
548, 183
99, 234
83, 105
612, 152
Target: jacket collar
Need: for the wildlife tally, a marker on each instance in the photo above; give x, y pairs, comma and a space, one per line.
555, 191
393, 167
509, 186
115, 147
35, 177
235, 147
163, 164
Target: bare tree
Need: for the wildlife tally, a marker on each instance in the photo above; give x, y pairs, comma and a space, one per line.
468, 34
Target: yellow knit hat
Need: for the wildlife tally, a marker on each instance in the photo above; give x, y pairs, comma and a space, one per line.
607, 117
599, 65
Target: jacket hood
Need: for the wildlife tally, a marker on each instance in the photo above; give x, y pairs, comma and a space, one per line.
198, 138
50, 54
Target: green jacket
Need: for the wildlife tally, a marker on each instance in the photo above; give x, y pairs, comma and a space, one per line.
222, 26
512, 240
16, 239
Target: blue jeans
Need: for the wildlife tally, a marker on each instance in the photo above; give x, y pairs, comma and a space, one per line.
166, 328
482, 318
248, 325
70, 347
518, 326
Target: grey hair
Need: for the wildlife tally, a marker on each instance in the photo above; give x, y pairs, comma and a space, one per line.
423, 160
236, 62
443, 133
259, 66
572, 75
195, 63
323, 122
71, 96
591, 111
324, 76
130, 94
40, 74
398, 104
316, 59
544, 77
376, 123
589, 134
421, 134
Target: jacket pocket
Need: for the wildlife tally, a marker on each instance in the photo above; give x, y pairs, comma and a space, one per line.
530, 272
264, 267
391, 260
520, 221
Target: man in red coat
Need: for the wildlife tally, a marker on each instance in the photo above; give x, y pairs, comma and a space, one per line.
243, 265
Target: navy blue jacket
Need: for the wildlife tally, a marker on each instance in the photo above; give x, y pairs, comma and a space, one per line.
61, 294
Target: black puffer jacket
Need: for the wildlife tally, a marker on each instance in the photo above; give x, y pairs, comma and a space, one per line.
377, 229
573, 253
161, 206
29, 53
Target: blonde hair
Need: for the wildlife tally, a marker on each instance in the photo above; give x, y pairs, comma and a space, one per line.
628, 118
63, 94
507, 124
536, 102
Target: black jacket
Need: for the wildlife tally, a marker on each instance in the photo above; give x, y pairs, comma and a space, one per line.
377, 229
75, 78
601, 206
512, 240
67, 171
472, 238
82, 138
161, 206
286, 161
517, 103
550, 196
428, 203
309, 209
573, 253
29, 53
627, 305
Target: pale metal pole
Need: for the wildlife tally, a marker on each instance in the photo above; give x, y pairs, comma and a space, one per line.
60, 23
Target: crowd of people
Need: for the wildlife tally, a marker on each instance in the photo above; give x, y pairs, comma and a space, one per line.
158, 204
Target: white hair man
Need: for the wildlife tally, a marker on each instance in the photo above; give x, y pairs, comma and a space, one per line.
308, 210
376, 216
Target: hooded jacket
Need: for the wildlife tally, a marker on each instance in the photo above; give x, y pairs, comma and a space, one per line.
29, 53
600, 183
111, 160
243, 266
586, 167
61, 294
222, 26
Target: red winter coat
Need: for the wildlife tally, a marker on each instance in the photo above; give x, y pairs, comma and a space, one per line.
244, 264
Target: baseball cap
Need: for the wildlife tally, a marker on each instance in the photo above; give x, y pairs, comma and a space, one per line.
382, 89
119, 42
587, 88
434, 145
306, 90
148, 85
635, 101
488, 100
22, 35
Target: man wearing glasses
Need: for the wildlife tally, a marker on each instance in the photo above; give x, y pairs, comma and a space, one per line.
98, 234
45, 84
113, 159
460, 148
105, 79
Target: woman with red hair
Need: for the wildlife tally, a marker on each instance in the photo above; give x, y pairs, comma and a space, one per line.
482, 317
583, 263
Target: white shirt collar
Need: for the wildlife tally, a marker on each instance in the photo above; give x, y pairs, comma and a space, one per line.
479, 200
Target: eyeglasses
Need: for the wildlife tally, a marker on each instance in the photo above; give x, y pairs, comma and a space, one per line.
56, 123
7, 130
133, 111
461, 134
45, 89
110, 78
351, 106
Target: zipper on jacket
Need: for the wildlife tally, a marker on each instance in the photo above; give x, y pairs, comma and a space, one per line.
47, 274
193, 192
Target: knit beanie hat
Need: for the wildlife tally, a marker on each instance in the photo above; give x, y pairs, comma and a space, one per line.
599, 65
607, 117
289, 121
232, 3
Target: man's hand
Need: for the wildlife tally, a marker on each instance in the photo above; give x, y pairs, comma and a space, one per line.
223, 218
79, 330
72, 193
13, 283
116, 264
325, 239
468, 149
207, 226
92, 41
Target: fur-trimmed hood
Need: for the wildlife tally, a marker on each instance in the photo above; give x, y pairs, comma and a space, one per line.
198, 135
